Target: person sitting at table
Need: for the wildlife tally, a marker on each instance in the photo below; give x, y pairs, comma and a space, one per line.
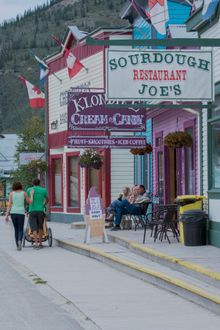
126, 193
125, 207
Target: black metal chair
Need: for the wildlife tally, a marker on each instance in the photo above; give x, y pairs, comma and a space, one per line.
163, 220
140, 219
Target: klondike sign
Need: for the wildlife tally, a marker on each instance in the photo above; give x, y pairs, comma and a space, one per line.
159, 75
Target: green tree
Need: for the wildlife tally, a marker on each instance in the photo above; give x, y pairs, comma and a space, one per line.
31, 139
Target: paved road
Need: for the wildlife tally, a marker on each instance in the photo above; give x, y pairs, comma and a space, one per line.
23, 307
113, 300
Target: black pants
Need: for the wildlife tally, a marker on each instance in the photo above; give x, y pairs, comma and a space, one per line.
18, 222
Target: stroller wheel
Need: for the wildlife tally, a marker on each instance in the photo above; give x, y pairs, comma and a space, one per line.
50, 237
23, 242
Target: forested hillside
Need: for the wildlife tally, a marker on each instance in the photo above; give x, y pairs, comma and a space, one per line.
33, 31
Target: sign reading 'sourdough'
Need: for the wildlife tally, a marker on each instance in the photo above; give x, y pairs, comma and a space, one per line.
159, 75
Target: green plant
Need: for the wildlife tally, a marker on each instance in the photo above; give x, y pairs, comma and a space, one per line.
90, 158
178, 139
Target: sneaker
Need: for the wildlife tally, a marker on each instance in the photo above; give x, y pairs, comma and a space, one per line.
35, 246
40, 246
115, 228
19, 246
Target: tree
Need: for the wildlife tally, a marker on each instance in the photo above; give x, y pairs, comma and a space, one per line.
31, 139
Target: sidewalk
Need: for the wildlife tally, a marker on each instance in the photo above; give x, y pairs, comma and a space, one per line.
191, 272
207, 256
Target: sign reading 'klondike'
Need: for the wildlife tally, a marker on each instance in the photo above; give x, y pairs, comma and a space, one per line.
159, 75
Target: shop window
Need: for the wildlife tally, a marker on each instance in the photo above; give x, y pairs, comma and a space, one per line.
73, 181
159, 157
214, 150
216, 155
94, 176
190, 166
160, 175
57, 182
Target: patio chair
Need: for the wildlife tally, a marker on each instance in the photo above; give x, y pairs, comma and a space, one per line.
163, 220
140, 219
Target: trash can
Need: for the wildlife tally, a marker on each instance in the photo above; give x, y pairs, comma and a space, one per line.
189, 202
193, 228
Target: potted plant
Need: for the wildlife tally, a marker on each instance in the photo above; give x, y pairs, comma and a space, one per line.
141, 151
90, 158
178, 139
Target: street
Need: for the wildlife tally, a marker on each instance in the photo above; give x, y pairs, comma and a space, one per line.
23, 307
96, 295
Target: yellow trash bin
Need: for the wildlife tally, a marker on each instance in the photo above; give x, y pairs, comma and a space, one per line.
188, 202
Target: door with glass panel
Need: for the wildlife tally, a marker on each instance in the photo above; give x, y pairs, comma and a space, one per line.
73, 182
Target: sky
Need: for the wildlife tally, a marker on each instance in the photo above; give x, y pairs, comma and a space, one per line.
10, 8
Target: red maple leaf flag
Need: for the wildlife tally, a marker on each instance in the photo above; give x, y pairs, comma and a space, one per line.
73, 64
36, 97
159, 15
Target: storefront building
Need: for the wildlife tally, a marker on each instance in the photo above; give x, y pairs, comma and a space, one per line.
167, 173
210, 165
69, 183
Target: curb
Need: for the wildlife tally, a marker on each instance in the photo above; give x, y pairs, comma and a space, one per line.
188, 291
186, 267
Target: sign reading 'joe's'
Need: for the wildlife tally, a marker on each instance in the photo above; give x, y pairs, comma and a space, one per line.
159, 75
88, 111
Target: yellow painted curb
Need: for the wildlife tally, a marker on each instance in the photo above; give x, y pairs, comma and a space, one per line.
179, 283
186, 264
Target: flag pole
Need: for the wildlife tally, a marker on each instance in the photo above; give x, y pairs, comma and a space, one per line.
40, 61
59, 43
60, 80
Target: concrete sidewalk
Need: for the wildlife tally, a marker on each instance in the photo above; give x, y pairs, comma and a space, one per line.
191, 272
199, 258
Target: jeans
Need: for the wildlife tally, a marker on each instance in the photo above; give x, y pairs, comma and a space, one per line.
125, 208
116, 203
18, 222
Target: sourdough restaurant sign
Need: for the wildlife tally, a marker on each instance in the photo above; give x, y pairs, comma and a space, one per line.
159, 75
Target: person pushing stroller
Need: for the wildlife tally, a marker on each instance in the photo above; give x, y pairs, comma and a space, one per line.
36, 211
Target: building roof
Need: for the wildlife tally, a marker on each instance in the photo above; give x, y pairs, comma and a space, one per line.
7, 153
78, 35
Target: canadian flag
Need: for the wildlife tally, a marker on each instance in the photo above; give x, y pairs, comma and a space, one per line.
73, 64
36, 97
159, 15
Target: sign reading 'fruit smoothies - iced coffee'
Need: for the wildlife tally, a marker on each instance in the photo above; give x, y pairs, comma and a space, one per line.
159, 75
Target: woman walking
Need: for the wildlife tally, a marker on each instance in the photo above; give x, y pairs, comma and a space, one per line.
16, 208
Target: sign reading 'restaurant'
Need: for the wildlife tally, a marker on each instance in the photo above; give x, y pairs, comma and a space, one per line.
88, 111
159, 75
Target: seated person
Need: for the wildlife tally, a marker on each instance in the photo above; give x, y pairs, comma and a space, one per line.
125, 207
124, 195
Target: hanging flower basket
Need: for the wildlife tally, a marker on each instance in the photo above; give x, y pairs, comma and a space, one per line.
141, 151
90, 158
178, 139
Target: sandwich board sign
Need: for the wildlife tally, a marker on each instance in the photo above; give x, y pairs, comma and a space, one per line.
94, 217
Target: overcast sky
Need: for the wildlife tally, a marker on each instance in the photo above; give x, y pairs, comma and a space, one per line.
10, 8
